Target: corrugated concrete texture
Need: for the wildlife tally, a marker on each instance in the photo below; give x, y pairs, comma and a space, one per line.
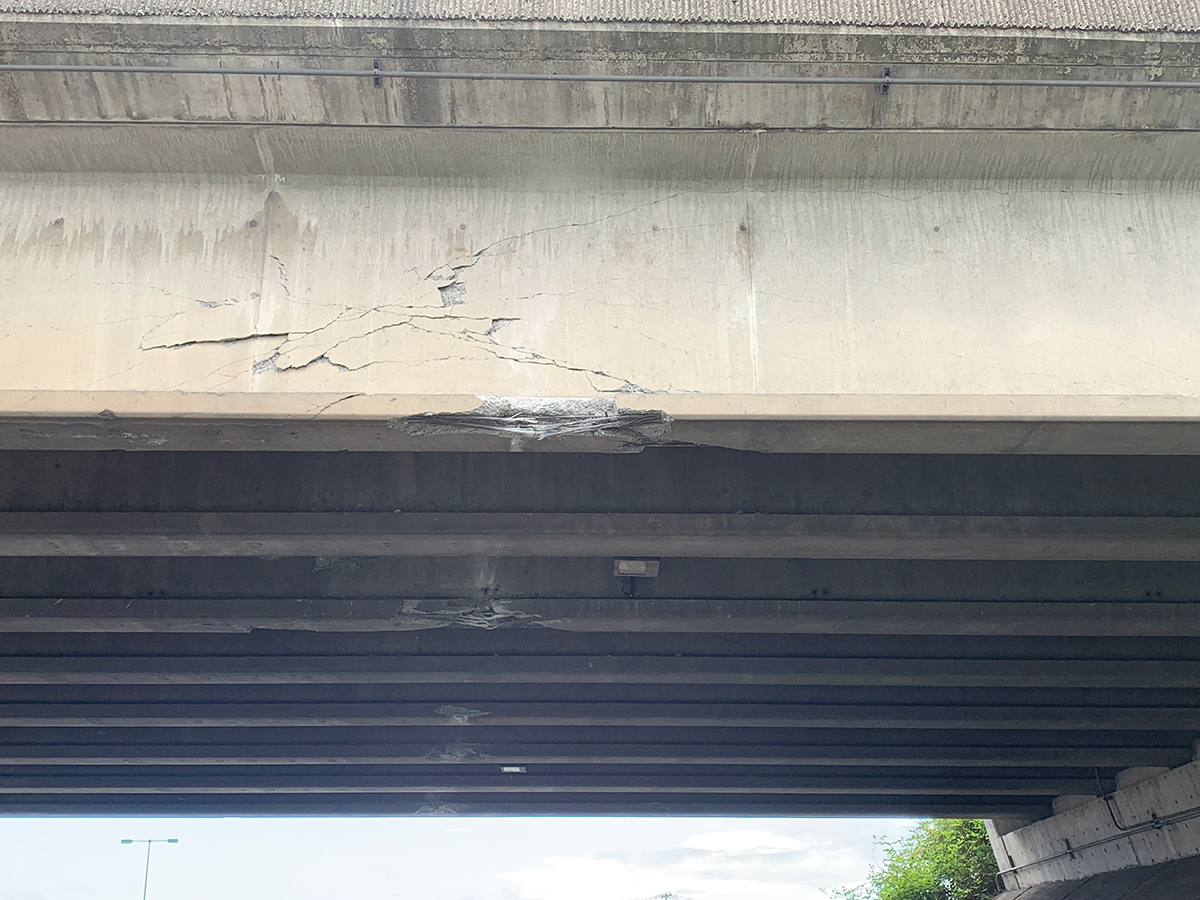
1114, 15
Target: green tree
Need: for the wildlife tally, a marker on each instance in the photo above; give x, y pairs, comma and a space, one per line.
941, 859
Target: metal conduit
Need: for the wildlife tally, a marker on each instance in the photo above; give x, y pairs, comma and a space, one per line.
1152, 824
378, 74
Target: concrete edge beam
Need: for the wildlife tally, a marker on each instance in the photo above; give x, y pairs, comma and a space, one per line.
793, 423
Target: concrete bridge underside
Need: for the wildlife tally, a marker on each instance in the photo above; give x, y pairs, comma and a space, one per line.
193, 632
887, 394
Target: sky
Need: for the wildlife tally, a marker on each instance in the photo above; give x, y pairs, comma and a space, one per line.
435, 858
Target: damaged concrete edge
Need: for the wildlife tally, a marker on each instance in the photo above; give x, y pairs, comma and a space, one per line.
783, 423
525, 419
488, 616
289, 406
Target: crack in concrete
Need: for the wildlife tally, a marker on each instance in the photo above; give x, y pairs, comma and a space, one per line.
448, 281
334, 403
324, 356
225, 341
484, 341
548, 228
283, 276
497, 324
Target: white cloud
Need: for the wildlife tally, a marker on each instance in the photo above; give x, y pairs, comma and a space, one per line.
579, 878
587, 879
572, 858
743, 840
734, 864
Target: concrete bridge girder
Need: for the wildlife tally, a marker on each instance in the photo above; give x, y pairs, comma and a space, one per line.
365, 254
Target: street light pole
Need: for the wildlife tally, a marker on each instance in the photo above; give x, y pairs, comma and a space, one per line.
150, 842
146, 880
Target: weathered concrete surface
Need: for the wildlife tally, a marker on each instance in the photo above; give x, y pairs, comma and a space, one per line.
524, 289
996, 269
711, 50
1153, 820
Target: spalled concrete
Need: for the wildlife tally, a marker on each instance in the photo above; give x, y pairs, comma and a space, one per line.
708, 49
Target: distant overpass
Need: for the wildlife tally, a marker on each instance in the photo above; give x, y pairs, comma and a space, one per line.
635, 445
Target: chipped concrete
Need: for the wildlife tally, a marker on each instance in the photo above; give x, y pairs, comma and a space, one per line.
436, 808
524, 419
488, 617
456, 753
458, 715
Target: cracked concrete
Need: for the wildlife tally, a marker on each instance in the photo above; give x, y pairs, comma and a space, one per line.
367, 286
422, 306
